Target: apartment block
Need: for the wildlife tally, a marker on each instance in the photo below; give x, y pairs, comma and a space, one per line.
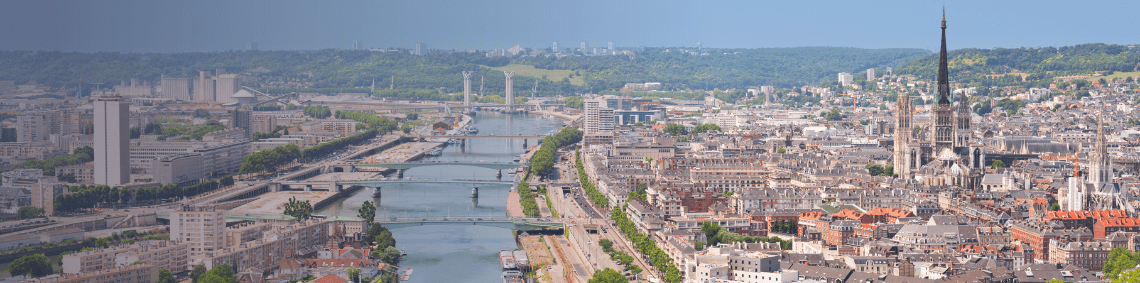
169, 255
284, 240
203, 229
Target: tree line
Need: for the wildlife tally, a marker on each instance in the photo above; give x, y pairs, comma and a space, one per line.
88, 196
317, 111
80, 155
646, 246
324, 149
269, 160
596, 196
381, 124
542, 163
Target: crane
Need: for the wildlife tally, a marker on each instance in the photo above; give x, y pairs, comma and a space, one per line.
625, 90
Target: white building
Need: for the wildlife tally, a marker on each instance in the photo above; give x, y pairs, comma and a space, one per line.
112, 141
227, 86
203, 229
176, 88
845, 79
871, 74
599, 117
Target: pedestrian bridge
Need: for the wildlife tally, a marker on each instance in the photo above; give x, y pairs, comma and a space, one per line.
407, 165
522, 224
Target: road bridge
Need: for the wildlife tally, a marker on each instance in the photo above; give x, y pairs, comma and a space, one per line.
407, 165
339, 185
522, 224
525, 137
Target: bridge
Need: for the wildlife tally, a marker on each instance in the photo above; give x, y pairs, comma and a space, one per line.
526, 137
522, 224
407, 165
338, 186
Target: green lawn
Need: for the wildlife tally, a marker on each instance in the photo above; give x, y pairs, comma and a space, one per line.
531, 71
1117, 76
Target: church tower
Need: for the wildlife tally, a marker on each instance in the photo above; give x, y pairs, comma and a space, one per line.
943, 113
964, 132
1100, 167
903, 131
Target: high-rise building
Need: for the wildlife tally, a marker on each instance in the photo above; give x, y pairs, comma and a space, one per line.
244, 120
554, 48
33, 127
599, 116
845, 79
421, 49
871, 74
112, 141
610, 46
202, 228
205, 88
252, 46
175, 88
227, 86
356, 45
583, 46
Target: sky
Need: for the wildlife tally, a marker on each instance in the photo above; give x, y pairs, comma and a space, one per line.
214, 25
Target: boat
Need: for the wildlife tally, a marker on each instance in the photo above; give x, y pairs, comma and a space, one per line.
507, 259
453, 141
407, 274
475, 192
435, 152
512, 276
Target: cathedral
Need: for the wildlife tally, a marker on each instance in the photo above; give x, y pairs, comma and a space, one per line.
948, 158
1097, 190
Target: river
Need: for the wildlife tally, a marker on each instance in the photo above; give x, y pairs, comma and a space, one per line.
455, 253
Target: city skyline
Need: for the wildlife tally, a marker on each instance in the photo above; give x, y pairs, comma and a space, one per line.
291, 25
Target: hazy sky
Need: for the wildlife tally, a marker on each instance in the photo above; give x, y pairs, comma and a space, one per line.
212, 25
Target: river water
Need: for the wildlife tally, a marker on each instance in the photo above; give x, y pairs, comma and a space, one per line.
455, 253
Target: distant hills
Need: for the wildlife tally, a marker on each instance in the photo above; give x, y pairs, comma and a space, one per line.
677, 68
1031, 67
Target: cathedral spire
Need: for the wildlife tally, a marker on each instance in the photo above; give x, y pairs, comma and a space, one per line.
943, 74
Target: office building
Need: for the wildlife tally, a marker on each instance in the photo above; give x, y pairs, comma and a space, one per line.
582, 47
183, 169
176, 88
554, 48
227, 86
871, 74
356, 45
112, 141
219, 157
202, 229
205, 87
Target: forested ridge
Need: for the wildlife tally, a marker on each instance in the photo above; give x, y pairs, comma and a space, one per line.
437, 74
977, 67
342, 70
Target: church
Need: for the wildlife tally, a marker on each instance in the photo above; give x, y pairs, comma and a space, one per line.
1097, 190
948, 158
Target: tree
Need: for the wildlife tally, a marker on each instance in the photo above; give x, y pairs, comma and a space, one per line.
367, 212
606, 244
298, 209
699, 245
33, 266
406, 128
1130, 276
781, 150
998, 164
391, 256
198, 271
874, 169
29, 212
705, 128
1055, 207
413, 116
224, 272
1119, 260
164, 276
608, 276
676, 130
834, 115
354, 274
1055, 280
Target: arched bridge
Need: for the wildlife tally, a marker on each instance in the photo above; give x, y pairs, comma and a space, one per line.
523, 224
407, 165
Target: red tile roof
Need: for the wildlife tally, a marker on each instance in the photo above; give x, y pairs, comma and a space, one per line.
331, 278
